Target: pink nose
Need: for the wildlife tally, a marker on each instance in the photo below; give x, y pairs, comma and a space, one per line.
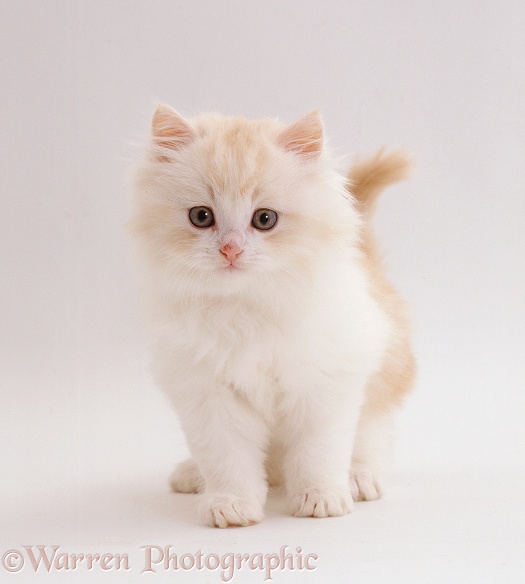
231, 251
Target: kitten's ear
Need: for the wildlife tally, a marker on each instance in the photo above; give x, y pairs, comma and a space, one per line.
305, 137
169, 129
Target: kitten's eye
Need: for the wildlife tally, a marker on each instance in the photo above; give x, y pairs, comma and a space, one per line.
264, 219
201, 217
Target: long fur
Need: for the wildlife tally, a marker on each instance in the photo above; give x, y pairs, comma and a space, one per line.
285, 367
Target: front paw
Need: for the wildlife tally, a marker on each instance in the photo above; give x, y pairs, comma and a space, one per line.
321, 502
230, 511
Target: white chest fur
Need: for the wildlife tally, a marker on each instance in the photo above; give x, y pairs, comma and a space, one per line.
287, 346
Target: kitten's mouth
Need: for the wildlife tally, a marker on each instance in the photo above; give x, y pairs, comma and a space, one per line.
232, 268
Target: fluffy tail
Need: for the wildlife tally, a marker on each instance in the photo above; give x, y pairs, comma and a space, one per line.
368, 178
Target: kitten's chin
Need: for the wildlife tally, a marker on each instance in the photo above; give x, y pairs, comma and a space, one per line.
233, 276
232, 279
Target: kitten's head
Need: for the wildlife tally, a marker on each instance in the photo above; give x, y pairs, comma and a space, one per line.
227, 202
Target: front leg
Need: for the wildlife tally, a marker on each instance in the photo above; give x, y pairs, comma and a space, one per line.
319, 442
228, 440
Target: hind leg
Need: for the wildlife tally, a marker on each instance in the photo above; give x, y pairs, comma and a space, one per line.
372, 448
187, 478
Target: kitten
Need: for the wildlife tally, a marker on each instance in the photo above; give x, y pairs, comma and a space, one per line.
278, 339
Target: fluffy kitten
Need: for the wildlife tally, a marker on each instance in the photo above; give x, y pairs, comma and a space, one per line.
278, 340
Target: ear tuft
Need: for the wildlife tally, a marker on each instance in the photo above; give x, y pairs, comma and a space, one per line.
169, 129
305, 137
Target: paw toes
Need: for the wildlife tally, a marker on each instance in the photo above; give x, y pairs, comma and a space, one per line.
364, 485
321, 502
230, 511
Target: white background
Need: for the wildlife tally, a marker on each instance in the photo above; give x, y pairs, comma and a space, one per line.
86, 439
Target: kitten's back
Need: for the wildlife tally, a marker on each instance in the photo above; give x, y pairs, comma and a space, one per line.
366, 181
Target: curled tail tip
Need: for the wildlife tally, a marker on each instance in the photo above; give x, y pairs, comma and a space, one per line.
369, 177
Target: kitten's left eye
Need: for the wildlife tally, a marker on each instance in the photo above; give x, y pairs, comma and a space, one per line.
264, 219
201, 217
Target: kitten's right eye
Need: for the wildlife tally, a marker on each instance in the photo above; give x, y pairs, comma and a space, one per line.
202, 217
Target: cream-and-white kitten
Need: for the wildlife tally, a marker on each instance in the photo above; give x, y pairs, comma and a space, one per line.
278, 340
